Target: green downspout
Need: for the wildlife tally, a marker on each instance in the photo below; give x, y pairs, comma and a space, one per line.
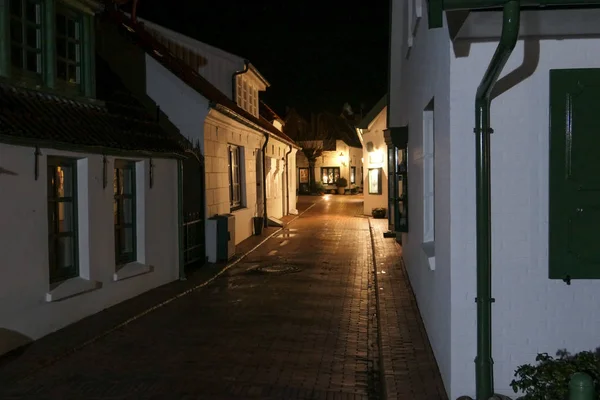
484, 364
180, 219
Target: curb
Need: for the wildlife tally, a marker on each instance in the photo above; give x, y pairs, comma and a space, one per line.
382, 379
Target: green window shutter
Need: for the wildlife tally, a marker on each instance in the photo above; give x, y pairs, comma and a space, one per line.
574, 174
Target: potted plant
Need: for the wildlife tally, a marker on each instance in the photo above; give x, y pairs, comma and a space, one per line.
378, 212
341, 184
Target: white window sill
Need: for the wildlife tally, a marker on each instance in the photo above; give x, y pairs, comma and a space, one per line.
429, 250
71, 288
132, 269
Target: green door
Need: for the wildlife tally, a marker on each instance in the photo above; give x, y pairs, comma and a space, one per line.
574, 211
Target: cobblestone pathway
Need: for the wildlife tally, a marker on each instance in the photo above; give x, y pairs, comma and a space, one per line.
296, 319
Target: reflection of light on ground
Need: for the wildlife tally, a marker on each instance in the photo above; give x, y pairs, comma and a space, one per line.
327, 197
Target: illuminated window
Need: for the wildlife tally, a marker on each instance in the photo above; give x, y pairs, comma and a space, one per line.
353, 175
62, 219
26, 35
375, 186
124, 212
330, 175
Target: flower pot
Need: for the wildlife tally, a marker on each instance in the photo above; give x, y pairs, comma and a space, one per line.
378, 212
341, 190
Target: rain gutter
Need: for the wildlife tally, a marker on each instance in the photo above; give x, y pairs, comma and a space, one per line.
484, 364
436, 7
264, 179
287, 179
234, 76
510, 33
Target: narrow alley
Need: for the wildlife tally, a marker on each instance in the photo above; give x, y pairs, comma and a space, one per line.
297, 318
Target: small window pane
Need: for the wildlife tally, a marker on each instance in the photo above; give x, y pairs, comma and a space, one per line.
72, 73
65, 252
61, 70
33, 37
65, 217
16, 8
71, 28
16, 56
33, 61
61, 49
72, 51
61, 25
127, 240
31, 12
16, 31
127, 211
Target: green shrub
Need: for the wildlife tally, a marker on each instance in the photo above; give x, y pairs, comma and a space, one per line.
549, 379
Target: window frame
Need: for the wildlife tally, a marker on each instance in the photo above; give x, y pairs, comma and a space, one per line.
119, 225
22, 45
80, 65
54, 232
235, 170
339, 174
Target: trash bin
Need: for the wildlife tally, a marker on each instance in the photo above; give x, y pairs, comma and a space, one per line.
258, 225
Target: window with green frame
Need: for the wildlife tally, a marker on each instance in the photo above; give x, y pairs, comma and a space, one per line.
124, 212
62, 219
68, 46
26, 35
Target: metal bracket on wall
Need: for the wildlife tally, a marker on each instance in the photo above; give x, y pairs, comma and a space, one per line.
567, 279
36, 166
104, 172
151, 173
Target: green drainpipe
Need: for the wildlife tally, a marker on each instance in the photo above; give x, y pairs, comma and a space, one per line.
484, 374
180, 218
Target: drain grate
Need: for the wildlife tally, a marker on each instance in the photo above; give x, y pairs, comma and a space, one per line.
278, 269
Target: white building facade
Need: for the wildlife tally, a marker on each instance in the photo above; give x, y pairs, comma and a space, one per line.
218, 107
434, 78
371, 134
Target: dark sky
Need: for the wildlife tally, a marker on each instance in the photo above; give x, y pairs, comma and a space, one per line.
317, 55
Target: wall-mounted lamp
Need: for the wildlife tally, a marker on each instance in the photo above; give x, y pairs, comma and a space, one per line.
342, 158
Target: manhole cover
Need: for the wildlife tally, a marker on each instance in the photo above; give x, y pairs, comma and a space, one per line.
278, 269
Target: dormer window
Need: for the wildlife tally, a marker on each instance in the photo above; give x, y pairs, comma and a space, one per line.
247, 96
26, 35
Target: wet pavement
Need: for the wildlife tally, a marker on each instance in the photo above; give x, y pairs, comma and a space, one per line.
294, 319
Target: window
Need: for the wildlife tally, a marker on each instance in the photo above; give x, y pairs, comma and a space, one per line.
235, 177
26, 35
375, 181
330, 175
68, 47
124, 212
353, 175
428, 174
62, 219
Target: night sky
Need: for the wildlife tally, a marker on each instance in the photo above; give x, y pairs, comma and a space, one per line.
317, 55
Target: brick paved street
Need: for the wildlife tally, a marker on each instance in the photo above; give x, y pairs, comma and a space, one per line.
255, 331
